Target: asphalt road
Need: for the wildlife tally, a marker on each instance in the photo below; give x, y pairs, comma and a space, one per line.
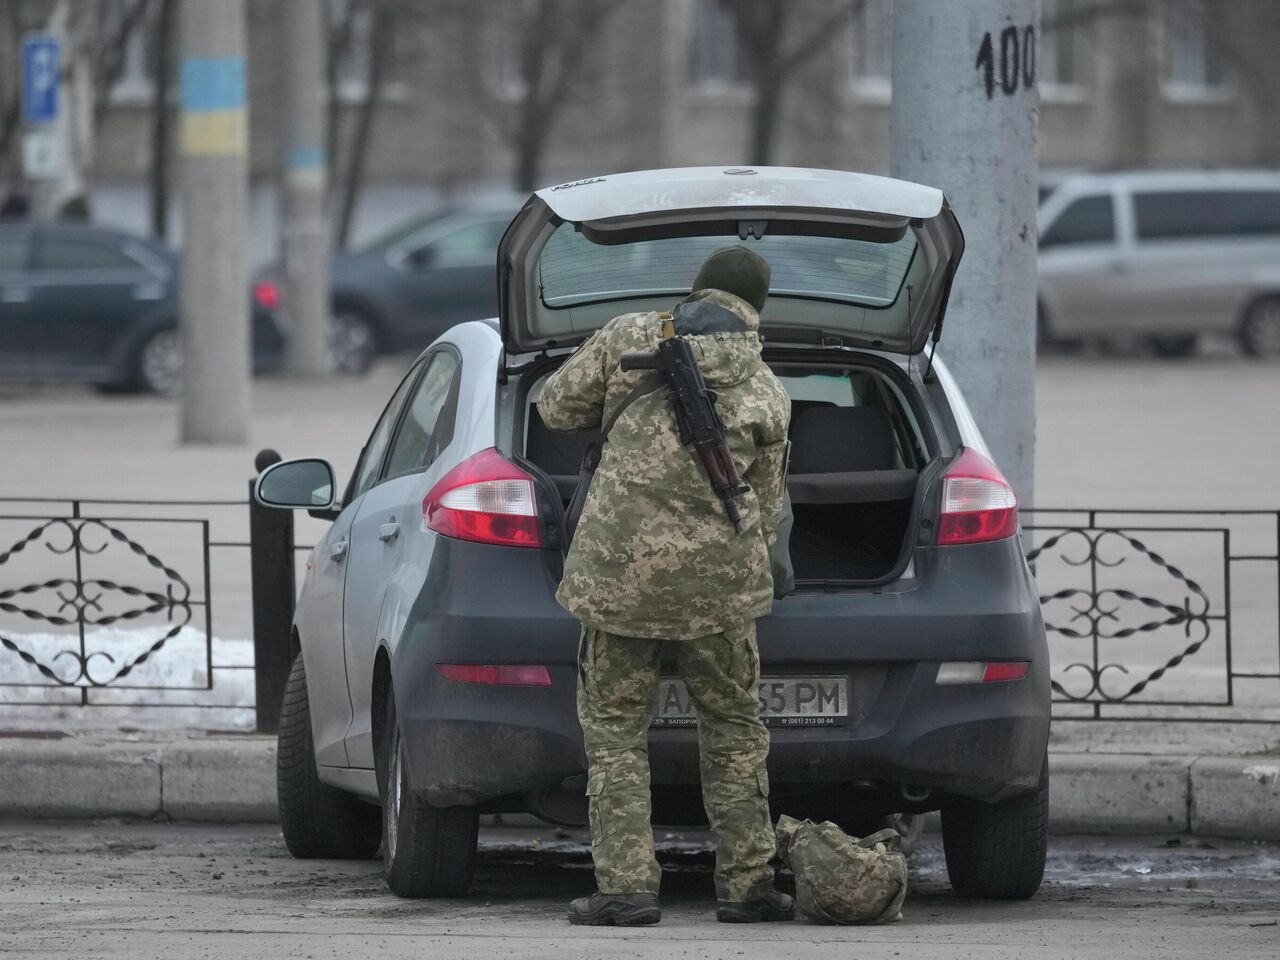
137, 891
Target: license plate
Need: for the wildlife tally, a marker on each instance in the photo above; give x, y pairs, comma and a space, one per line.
784, 702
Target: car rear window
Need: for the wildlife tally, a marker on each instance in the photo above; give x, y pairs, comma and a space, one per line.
1168, 215
573, 270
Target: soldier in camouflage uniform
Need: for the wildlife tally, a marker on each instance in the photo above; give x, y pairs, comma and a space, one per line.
655, 558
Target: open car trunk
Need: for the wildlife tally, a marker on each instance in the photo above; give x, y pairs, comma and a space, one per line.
857, 459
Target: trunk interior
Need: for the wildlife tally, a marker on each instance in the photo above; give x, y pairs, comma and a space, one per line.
857, 452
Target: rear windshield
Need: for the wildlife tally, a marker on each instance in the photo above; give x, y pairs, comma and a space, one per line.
573, 270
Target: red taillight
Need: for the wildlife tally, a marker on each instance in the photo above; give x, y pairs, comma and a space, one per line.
267, 293
977, 502
486, 498
969, 671
1015, 670
497, 673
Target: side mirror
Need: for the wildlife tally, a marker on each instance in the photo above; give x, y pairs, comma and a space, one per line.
306, 484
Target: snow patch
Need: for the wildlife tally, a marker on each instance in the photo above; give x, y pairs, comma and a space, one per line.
1265, 775
181, 695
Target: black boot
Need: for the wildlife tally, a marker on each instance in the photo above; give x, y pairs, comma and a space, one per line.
616, 910
760, 907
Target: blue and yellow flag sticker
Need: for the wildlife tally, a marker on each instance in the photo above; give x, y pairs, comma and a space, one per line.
215, 122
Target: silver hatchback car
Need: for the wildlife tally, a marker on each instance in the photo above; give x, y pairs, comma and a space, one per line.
908, 670
1164, 255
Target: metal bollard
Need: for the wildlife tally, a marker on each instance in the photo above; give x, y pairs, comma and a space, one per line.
274, 589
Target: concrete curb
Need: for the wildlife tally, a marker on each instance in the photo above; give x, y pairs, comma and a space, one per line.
1237, 797
213, 779
1118, 793
221, 779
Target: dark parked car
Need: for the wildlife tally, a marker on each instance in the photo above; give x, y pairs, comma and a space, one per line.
434, 672
404, 289
98, 305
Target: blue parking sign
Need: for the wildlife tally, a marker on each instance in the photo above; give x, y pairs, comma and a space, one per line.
41, 70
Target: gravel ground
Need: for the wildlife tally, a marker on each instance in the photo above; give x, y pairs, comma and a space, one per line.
144, 890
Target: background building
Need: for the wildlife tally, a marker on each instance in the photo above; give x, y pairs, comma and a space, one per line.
434, 98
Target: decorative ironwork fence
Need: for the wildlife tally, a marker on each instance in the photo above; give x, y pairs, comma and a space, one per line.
1160, 614
74, 599
110, 604
1150, 615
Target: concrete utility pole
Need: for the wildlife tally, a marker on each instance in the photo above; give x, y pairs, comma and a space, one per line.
965, 110
215, 295
304, 231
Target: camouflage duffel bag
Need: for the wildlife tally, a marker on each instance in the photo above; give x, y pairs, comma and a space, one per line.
841, 879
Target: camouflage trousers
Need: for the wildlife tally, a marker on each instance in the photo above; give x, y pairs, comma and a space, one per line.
617, 697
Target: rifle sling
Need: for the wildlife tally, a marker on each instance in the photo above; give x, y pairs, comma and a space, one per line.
591, 456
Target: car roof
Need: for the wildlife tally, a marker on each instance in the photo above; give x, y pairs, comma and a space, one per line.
1176, 179
691, 188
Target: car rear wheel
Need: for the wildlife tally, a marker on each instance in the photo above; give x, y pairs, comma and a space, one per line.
426, 851
1173, 345
158, 363
1260, 329
996, 851
353, 341
318, 821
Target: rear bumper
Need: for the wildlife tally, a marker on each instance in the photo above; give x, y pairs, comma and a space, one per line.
471, 743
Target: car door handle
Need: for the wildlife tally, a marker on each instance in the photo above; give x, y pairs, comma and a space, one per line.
148, 291
15, 295
388, 531
338, 551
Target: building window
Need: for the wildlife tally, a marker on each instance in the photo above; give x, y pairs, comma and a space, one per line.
1193, 66
717, 61
1062, 43
873, 49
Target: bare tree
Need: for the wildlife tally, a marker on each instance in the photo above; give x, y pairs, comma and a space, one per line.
766, 34
163, 35
111, 40
552, 41
382, 15
97, 40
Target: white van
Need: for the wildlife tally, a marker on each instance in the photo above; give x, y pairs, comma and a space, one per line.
1167, 255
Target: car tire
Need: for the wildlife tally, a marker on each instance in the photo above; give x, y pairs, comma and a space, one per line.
997, 851
353, 341
318, 821
157, 363
426, 851
1173, 345
1260, 328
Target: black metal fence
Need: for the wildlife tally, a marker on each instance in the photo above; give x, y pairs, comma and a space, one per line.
110, 604
1160, 614
1151, 615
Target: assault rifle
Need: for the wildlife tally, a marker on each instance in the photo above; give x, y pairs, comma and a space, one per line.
696, 416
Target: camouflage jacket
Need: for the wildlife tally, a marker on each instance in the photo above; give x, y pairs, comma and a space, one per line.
654, 554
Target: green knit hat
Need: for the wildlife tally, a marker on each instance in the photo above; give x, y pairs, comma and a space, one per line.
739, 271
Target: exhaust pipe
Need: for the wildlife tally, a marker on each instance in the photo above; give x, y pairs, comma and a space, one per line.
915, 794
